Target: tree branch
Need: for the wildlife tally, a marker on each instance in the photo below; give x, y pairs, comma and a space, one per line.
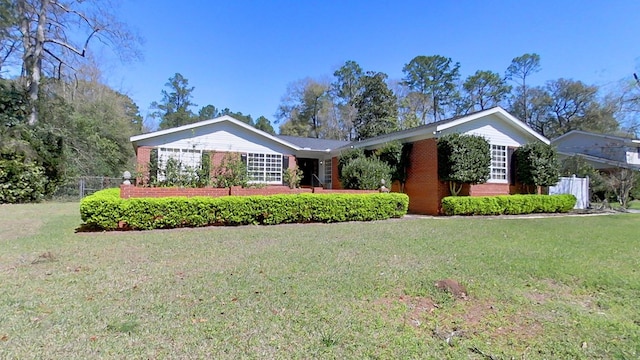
70, 47
60, 63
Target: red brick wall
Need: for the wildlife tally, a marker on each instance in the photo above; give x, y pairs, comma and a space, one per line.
143, 157
489, 189
424, 188
267, 190
292, 161
216, 161
335, 176
319, 190
130, 191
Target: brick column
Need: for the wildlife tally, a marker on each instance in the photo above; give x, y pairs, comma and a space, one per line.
143, 158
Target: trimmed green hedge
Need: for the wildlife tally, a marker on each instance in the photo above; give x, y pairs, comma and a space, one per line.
105, 210
507, 204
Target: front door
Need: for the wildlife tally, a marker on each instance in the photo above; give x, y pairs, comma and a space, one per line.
309, 168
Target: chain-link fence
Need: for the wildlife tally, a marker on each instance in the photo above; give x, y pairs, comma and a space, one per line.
77, 188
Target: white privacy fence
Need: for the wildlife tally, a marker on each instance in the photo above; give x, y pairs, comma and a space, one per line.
578, 187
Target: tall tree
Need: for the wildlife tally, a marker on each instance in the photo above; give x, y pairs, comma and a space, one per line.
537, 108
408, 105
433, 80
576, 106
376, 105
174, 109
262, 123
302, 106
484, 89
9, 41
95, 122
237, 115
344, 88
51, 36
207, 112
519, 70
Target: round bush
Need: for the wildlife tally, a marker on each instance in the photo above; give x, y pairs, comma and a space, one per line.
365, 174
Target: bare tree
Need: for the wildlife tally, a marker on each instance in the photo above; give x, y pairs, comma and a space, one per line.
52, 36
621, 181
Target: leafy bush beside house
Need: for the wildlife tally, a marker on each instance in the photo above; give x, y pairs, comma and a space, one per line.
105, 210
365, 174
537, 164
463, 159
365, 170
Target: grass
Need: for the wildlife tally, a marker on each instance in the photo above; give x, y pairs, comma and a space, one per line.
558, 287
634, 204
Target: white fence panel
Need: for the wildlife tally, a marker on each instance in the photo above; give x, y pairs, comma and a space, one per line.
578, 187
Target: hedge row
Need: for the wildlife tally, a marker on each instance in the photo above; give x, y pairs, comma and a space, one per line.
507, 204
107, 211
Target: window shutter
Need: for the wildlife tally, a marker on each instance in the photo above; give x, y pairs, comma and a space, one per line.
285, 162
511, 160
243, 158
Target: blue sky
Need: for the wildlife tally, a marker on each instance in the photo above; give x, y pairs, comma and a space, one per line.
243, 54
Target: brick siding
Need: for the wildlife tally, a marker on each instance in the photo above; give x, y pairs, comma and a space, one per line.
131, 191
424, 188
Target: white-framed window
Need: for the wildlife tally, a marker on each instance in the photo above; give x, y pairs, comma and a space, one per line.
327, 173
187, 158
264, 168
498, 163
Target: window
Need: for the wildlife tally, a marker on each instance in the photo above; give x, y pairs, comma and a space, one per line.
187, 158
264, 168
327, 173
498, 163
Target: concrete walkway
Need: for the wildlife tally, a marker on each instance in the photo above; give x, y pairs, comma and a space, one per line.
524, 216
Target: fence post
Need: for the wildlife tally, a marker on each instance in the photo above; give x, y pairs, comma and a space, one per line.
81, 185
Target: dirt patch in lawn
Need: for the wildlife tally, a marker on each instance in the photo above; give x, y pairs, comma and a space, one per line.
408, 309
462, 319
551, 290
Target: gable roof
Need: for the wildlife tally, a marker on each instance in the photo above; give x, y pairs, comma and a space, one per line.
602, 163
314, 143
324, 145
604, 136
221, 119
430, 130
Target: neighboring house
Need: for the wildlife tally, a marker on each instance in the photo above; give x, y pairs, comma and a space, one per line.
267, 155
603, 152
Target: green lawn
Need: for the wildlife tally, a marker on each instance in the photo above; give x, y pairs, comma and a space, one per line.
551, 288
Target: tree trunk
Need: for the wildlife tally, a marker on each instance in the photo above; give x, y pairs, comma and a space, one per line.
33, 49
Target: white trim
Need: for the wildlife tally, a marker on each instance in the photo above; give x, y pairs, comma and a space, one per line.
505, 161
265, 160
602, 160
220, 119
501, 113
605, 136
431, 130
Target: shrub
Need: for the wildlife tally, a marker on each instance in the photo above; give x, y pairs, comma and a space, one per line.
232, 171
21, 181
463, 159
537, 164
507, 204
107, 211
292, 177
348, 155
365, 174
